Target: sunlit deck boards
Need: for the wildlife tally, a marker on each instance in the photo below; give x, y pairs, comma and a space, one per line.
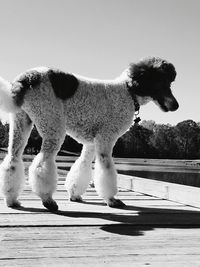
150, 231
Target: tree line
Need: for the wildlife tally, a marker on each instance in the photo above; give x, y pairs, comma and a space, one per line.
151, 140
144, 140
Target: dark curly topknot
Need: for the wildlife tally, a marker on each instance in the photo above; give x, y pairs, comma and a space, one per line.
149, 71
152, 66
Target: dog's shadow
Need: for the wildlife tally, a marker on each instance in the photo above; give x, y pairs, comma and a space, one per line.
132, 223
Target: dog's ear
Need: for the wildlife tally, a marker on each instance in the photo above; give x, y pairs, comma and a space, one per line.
169, 70
140, 75
136, 73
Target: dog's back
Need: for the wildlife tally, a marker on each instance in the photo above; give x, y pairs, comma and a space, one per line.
53, 98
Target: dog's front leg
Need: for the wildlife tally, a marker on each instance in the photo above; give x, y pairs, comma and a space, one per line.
105, 176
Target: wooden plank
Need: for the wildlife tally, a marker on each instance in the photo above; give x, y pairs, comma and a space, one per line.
149, 231
187, 195
110, 245
143, 211
37, 218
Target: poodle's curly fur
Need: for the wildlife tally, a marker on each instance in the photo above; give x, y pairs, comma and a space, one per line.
94, 112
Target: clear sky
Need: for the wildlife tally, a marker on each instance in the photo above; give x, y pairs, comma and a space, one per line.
99, 38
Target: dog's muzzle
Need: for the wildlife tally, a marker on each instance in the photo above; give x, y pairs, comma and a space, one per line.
168, 104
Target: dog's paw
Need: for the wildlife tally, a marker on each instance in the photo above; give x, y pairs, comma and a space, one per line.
50, 204
12, 203
76, 199
115, 203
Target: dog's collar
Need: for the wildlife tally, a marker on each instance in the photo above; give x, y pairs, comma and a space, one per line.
136, 104
131, 91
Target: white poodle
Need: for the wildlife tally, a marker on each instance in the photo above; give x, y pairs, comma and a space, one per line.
94, 112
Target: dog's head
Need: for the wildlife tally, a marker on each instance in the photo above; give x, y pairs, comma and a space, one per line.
152, 77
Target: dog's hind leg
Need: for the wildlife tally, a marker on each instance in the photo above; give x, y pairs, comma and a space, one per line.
43, 171
105, 176
80, 174
12, 176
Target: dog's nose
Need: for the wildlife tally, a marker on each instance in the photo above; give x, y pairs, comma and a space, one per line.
171, 103
174, 106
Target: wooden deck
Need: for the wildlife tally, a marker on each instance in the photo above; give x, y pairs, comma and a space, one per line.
149, 232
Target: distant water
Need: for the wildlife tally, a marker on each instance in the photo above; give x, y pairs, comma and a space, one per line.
167, 172
185, 178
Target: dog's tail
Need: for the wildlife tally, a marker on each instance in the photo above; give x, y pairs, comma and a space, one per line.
7, 103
